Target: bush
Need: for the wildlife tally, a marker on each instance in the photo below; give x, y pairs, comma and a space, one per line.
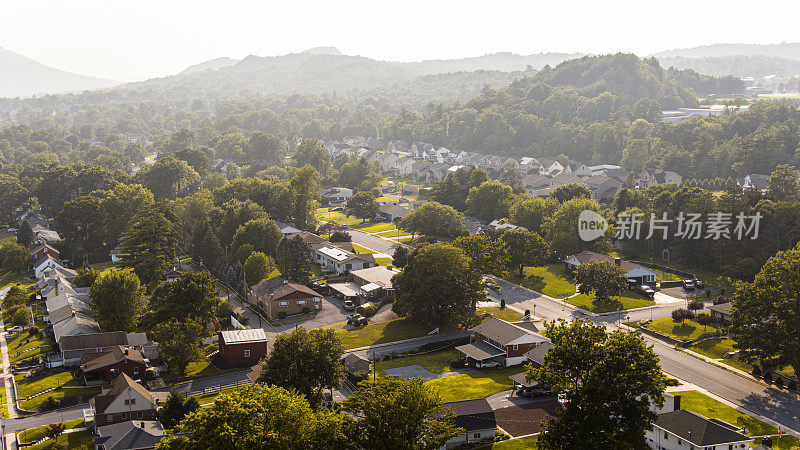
369, 311
767, 375
696, 305
376, 192
721, 299
340, 236
679, 315
528, 312
502, 303
306, 310
20, 317
756, 370
457, 363
281, 315
779, 382
33, 331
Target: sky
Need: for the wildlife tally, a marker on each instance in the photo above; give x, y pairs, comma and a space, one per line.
131, 40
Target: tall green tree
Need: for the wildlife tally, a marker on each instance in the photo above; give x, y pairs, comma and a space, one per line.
294, 259
168, 178
192, 296
264, 150
257, 267
530, 212
433, 219
306, 361
609, 381
148, 244
400, 414
439, 286
119, 205
118, 301
305, 187
179, 343
525, 248
489, 256
765, 312
82, 222
603, 278
313, 153
15, 257
489, 201
362, 205
569, 191
784, 184
262, 234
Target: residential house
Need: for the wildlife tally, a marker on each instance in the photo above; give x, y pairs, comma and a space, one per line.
435, 172
722, 312
578, 169
601, 168
655, 177
498, 341
374, 143
474, 225
634, 273
44, 235
116, 256
333, 259
130, 435
477, 419
40, 250
398, 146
526, 162
387, 162
45, 262
684, 430
122, 401
287, 228
602, 188
76, 323
403, 167
564, 178
501, 224
534, 182
550, 166
754, 181
243, 346
335, 195
277, 295
108, 364
75, 346
375, 282
422, 149
418, 169
356, 363
392, 212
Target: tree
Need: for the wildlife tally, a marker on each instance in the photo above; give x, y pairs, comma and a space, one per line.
531, 212
14, 296
25, 234
560, 228
609, 381
434, 219
148, 245
305, 187
294, 259
178, 343
525, 248
196, 158
262, 234
400, 256
14, 257
784, 184
362, 205
119, 205
696, 305
312, 152
764, 322
569, 191
604, 278
489, 256
264, 150
86, 276
257, 267
681, 314
260, 417
118, 301
340, 236
167, 178
21, 317
54, 430
438, 286
193, 296
82, 222
175, 408
400, 414
306, 361
489, 201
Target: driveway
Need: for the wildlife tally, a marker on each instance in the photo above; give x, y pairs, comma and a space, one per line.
375, 243
332, 312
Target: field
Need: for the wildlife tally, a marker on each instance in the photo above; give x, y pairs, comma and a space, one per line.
474, 385
80, 440
379, 333
689, 330
549, 280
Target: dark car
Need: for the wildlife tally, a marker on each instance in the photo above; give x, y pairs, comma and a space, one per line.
321, 289
357, 321
535, 391
349, 305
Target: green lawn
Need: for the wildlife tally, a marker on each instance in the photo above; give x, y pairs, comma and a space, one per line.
81, 440
209, 398
688, 330
34, 434
628, 299
58, 394
7, 278
379, 333
6, 236
549, 280
513, 444
27, 389
507, 314
103, 267
711, 278
27, 346
437, 362
201, 369
713, 409
380, 260
382, 226
360, 249
339, 217
474, 385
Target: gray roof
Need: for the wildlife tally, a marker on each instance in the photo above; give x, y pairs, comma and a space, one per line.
136, 434
480, 350
243, 336
473, 415
699, 430
537, 353
722, 308
500, 331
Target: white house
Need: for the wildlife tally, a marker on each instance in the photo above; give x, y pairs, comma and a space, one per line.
687, 430
44, 263
634, 272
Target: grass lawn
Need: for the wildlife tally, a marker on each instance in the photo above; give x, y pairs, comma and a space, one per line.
201, 369
713, 409
629, 300
360, 249
507, 314
437, 362
58, 394
379, 333
26, 389
6, 236
74, 441
688, 330
480, 384
339, 217
209, 398
713, 279
513, 444
103, 267
34, 434
7, 278
26, 346
382, 226
549, 280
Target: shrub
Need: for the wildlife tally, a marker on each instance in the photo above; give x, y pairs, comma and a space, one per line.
779, 382
306, 310
502, 303
361, 375
528, 312
376, 192
721, 299
281, 315
679, 315
20, 317
767, 375
756, 370
33, 331
696, 305
49, 403
457, 363
369, 311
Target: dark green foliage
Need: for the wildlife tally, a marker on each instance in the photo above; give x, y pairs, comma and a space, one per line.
294, 259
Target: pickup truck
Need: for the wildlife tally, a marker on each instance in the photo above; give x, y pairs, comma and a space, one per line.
349, 305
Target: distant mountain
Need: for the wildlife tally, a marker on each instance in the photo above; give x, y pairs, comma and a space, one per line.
323, 51
23, 77
213, 64
503, 61
784, 50
756, 66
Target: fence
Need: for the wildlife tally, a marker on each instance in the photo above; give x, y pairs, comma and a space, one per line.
686, 275
212, 389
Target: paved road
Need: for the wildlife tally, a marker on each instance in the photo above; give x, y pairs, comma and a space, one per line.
376, 243
16, 425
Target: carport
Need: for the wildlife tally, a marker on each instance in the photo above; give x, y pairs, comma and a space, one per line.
480, 352
346, 291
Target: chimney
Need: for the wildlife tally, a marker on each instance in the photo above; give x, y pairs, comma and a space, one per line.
676, 402
618, 261
126, 352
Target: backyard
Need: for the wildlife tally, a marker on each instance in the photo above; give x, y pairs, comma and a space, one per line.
379, 333
436, 362
22, 346
475, 384
688, 330
65, 386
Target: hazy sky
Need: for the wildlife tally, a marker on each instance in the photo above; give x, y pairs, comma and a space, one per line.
146, 38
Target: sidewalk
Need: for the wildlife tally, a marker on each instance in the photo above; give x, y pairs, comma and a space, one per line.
10, 400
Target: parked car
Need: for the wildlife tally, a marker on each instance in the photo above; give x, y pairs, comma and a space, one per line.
345, 226
535, 391
354, 319
15, 329
688, 285
487, 365
359, 321
321, 289
646, 290
338, 208
349, 305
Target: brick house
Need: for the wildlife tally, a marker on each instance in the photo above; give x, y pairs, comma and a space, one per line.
276, 296
40, 250
108, 364
243, 346
124, 400
498, 341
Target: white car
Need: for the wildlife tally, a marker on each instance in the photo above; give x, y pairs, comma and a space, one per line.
15, 329
489, 365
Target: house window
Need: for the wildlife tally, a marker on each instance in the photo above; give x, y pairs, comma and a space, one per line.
123, 416
283, 303
109, 418
666, 436
136, 371
127, 402
301, 302
476, 436
516, 346
133, 401
247, 353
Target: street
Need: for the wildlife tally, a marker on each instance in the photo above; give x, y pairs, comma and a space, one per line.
372, 242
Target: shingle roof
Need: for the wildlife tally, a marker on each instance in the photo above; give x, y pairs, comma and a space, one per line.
93, 341
118, 386
722, 308
537, 353
91, 362
130, 435
500, 331
699, 430
587, 255
472, 415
